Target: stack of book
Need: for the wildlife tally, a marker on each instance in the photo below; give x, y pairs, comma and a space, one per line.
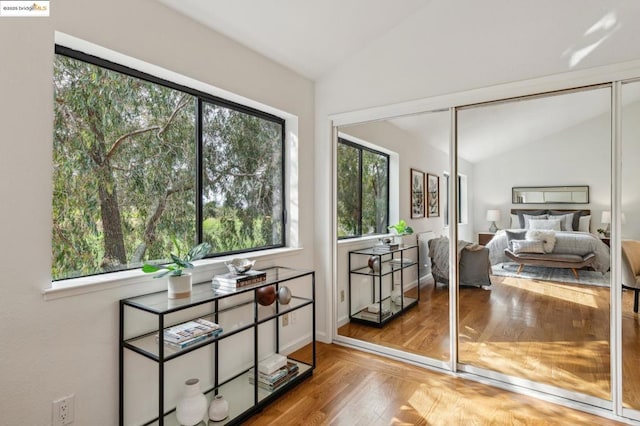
183, 335
373, 314
233, 281
276, 379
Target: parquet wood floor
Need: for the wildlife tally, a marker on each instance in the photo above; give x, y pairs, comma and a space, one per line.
552, 333
350, 387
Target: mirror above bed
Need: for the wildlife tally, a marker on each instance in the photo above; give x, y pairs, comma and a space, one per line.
550, 195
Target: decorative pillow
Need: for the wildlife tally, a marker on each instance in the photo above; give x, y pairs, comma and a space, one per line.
548, 238
521, 214
528, 246
515, 222
585, 223
518, 235
528, 219
545, 224
566, 223
576, 216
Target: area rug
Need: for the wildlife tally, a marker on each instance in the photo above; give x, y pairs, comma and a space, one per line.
508, 269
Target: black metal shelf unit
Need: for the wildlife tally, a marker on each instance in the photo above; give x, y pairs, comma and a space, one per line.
244, 398
387, 268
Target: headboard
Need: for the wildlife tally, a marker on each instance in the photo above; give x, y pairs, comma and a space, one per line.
576, 218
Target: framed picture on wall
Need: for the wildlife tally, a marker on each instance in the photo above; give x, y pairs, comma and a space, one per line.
433, 195
417, 194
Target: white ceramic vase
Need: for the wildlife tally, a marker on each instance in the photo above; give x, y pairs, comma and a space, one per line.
192, 408
219, 408
179, 286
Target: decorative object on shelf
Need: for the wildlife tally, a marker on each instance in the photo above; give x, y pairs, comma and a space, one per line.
266, 295
433, 195
179, 281
192, 408
396, 294
401, 229
417, 194
219, 409
493, 216
284, 295
374, 263
240, 266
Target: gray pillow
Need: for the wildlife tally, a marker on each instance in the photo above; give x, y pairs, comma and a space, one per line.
528, 246
576, 217
521, 214
517, 235
528, 219
566, 223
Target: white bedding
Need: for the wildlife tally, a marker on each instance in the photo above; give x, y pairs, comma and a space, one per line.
567, 242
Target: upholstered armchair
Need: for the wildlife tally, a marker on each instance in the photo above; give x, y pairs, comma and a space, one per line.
631, 268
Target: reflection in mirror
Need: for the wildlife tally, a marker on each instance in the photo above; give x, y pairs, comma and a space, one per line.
545, 316
388, 297
550, 195
630, 242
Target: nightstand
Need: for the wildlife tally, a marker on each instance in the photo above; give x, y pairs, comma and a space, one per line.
485, 237
606, 240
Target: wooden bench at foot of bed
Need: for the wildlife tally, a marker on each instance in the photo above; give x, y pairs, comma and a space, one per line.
552, 260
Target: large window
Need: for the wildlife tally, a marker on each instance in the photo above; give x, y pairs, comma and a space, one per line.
144, 167
363, 190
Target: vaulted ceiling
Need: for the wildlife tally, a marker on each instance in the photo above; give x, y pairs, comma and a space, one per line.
310, 37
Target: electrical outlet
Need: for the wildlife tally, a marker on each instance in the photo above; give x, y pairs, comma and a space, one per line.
63, 411
285, 320
341, 295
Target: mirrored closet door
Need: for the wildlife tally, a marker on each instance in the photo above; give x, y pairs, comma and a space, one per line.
370, 283
544, 322
630, 249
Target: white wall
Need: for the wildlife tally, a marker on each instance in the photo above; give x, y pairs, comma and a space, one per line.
69, 345
579, 155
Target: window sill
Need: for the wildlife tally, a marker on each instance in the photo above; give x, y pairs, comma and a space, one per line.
359, 240
204, 270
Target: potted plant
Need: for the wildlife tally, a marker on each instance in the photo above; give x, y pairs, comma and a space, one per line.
179, 281
401, 229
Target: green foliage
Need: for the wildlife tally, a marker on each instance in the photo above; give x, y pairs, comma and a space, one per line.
125, 171
401, 228
362, 191
179, 263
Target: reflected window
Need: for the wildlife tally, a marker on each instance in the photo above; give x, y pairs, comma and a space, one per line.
462, 199
363, 190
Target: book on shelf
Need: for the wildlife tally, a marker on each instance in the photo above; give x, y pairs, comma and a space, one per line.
272, 363
365, 314
402, 261
187, 343
232, 280
189, 330
276, 379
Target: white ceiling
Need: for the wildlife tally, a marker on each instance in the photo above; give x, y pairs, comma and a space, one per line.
314, 37
309, 37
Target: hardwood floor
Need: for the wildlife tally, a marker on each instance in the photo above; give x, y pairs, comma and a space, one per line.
351, 387
552, 333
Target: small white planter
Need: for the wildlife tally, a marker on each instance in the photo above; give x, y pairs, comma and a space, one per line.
179, 286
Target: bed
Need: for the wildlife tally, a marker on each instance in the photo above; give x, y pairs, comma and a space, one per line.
565, 231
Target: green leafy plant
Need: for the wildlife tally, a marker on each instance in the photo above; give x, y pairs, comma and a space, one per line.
601, 231
179, 264
401, 228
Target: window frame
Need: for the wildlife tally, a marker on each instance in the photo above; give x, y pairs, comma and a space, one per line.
201, 97
342, 139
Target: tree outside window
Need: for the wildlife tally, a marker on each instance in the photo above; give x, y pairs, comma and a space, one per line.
136, 176
363, 190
